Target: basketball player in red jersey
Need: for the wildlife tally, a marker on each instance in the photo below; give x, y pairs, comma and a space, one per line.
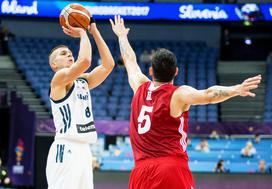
159, 116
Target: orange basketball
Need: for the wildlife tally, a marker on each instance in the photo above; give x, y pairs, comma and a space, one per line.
76, 15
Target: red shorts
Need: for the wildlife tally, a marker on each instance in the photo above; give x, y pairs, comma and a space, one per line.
161, 173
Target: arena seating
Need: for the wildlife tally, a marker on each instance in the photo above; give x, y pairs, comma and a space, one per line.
120, 156
111, 100
268, 99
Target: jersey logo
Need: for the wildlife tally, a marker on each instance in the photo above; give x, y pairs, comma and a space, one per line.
81, 90
81, 80
148, 97
86, 128
60, 151
66, 117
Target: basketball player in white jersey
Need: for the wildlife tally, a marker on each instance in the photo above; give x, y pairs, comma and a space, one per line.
69, 159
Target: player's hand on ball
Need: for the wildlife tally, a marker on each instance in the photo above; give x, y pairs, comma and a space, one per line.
73, 31
249, 84
92, 28
118, 26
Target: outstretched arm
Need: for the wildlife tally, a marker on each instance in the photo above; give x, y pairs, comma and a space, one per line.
189, 96
67, 75
135, 75
100, 73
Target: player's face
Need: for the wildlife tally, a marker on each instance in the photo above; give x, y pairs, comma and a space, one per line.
63, 58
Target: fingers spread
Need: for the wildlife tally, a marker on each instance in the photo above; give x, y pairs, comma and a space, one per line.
68, 33
65, 30
68, 25
119, 19
112, 24
115, 19
258, 77
252, 87
122, 21
250, 94
255, 82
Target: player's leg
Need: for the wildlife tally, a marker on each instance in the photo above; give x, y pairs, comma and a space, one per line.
176, 179
190, 177
138, 178
172, 176
62, 170
161, 173
52, 168
85, 157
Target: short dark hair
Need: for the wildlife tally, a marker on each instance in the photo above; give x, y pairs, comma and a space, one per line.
164, 64
57, 47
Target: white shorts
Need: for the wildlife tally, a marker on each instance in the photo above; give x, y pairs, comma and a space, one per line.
69, 166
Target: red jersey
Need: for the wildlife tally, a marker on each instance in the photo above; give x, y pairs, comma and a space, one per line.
153, 131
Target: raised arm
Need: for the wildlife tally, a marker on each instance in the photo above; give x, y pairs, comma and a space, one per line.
67, 75
186, 95
100, 73
135, 75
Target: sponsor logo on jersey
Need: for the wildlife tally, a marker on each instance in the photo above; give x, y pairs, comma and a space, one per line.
89, 127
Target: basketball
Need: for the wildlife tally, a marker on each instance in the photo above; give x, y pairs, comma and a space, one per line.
76, 14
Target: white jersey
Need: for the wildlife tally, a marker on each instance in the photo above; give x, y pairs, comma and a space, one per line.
73, 116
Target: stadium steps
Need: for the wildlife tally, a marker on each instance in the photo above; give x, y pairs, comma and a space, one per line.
242, 108
10, 75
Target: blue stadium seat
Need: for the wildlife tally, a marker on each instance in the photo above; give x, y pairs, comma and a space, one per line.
196, 61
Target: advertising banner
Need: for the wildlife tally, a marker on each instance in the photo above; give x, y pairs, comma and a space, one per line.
142, 11
21, 143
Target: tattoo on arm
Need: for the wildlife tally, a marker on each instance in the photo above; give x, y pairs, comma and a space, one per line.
220, 93
125, 49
